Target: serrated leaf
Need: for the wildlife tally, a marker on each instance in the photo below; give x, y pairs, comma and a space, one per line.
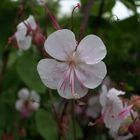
27, 71
46, 125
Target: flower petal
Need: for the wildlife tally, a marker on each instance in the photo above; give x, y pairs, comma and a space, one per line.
35, 97
23, 94
23, 40
115, 92
80, 91
60, 44
21, 30
91, 75
50, 72
69, 87
91, 49
31, 22
19, 105
24, 43
35, 106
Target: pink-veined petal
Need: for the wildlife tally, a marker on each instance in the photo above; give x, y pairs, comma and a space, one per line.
125, 112
91, 49
50, 72
70, 88
91, 75
110, 118
60, 44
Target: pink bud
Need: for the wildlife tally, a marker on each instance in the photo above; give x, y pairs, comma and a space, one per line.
134, 128
39, 39
78, 5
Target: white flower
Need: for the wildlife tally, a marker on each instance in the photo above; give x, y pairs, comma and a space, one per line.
28, 102
22, 36
112, 106
77, 66
94, 107
41, 2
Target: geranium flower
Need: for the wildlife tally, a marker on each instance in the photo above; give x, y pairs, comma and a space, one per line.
77, 66
28, 102
113, 110
23, 34
112, 106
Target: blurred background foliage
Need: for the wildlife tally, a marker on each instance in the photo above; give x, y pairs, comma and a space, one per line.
121, 37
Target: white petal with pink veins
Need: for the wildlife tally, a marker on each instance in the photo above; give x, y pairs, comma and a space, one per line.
70, 88
112, 106
91, 49
61, 44
91, 75
51, 71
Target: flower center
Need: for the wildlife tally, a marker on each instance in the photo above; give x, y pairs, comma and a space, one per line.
73, 59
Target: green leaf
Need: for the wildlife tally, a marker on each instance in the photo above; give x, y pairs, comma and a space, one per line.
27, 70
46, 125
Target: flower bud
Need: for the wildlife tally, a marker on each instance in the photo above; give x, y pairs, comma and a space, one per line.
39, 39
12, 41
134, 128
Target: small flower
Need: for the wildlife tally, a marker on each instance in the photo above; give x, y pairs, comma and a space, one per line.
111, 107
23, 34
77, 66
28, 102
116, 115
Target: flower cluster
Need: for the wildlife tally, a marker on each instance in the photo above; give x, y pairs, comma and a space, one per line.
28, 102
24, 31
116, 113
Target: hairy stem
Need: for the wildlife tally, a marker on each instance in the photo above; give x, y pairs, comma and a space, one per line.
85, 19
73, 119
